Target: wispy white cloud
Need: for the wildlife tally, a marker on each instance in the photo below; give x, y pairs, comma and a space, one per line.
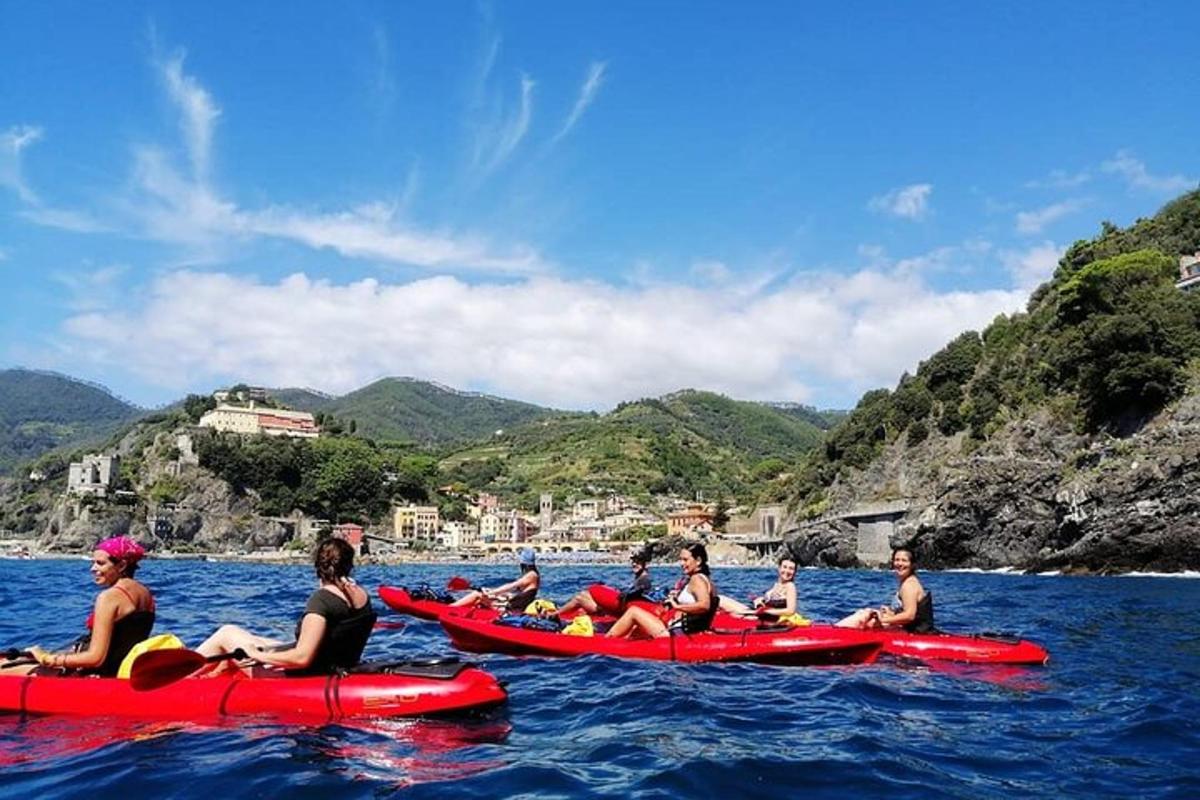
497, 139
93, 289
64, 219
182, 206
587, 94
907, 202
12, 142
198, 112
1060, 179
372, 231
541, 339
1031, 222
1137, 176
383, 81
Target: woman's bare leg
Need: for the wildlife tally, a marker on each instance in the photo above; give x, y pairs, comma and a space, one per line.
863, 618
471, 598
639, 618
731, 606
229, 638
582, 600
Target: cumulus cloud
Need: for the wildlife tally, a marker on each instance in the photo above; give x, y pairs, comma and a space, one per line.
1137, 176
12, 142
1030, 268
907, 202
1032, 222
587, 94
575, 344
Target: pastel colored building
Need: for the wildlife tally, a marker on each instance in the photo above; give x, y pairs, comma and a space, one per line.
693, 519
251, 421
417, 525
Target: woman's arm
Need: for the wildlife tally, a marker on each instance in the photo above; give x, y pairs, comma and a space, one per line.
908, 600
300, 655
520, 584
699, 587
789, 605
104, 617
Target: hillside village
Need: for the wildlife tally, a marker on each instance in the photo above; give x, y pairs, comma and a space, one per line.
608, 524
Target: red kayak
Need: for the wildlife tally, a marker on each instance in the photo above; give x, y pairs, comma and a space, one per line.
405, 691
793, 647
399, 599
967, 648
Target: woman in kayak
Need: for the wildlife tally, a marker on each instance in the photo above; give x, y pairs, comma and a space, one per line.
122, 616
911, 609
513, 596
779, 601
330, 635
695, 604
637, 590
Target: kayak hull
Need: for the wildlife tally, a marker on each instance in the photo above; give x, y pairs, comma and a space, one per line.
965, 648
398, 599
319, 699
793, 647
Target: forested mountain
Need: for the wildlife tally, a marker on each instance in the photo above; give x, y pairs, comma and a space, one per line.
685, 443
409, 410
41, 410
1107, 351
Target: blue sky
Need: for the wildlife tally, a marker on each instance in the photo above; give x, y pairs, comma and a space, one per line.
570, 204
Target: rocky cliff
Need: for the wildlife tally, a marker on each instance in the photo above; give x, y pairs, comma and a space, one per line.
1037, 495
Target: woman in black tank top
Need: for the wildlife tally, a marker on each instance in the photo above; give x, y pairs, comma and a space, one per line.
692, 608
779, 600
912, 609
513, 596
330, 635
122, 616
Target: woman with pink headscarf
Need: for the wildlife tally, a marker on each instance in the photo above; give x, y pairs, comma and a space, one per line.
122, 616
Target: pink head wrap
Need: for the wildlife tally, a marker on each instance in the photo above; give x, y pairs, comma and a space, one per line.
123, 548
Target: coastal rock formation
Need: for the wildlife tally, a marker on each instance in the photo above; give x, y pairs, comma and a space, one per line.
1037, 496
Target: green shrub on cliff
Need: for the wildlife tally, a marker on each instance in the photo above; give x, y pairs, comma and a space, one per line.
1107, 343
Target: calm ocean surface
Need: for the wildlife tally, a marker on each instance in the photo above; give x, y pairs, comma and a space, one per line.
1115, 714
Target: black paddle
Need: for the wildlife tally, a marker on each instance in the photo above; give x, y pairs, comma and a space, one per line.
158, 668
14, 657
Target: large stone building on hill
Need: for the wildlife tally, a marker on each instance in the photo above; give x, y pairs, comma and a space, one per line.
252, 420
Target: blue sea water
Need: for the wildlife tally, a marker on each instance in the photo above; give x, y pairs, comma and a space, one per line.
1116, 713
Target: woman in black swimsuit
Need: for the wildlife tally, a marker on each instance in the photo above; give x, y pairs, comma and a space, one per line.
694, 604
330, 635
122, 616
912, 608
779, 600
513, 596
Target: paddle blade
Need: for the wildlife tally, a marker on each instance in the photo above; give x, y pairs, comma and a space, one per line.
158, 668
458, 584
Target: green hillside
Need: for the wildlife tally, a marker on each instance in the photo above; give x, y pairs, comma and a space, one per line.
301, 399
407, 410
40, 411
681, 444
1103, 346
